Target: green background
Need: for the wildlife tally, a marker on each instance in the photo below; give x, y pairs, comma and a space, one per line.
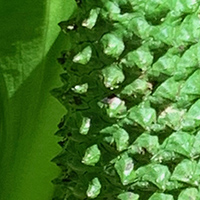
30, 42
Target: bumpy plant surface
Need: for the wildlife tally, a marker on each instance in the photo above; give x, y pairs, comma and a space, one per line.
131, 87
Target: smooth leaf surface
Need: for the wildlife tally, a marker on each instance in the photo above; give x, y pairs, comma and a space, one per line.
30, 43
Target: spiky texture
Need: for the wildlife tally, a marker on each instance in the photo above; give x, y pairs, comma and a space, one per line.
131, 88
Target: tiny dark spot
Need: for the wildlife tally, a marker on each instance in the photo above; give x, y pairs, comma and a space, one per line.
61, 60
69, 134
66, 180
79, 2
108, 98
77, 100
61, 124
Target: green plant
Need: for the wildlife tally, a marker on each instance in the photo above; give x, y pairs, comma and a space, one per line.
131, 90
30, 41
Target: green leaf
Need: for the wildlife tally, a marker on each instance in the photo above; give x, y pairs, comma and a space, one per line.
94, 188
143, 114
169, 90
153, 9
111, 9
187, 63
190, 90
189, 193
181, 6
128, 196
30, 43
116, 108
193, 112
196, 150
175, 34
191, 85
164, 155
179, 142
141, 57
91, 20
188, 31
139, 25
165, 33
92, 155
113, 76
191, 120
165, 64
125, 169
84, 56
161, 196
172, 117
187, 171
112, 45
154, 173
119, 135
80, 89
85, 126
147, 141
138, 86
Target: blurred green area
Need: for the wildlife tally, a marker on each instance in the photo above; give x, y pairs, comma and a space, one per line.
30, 42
